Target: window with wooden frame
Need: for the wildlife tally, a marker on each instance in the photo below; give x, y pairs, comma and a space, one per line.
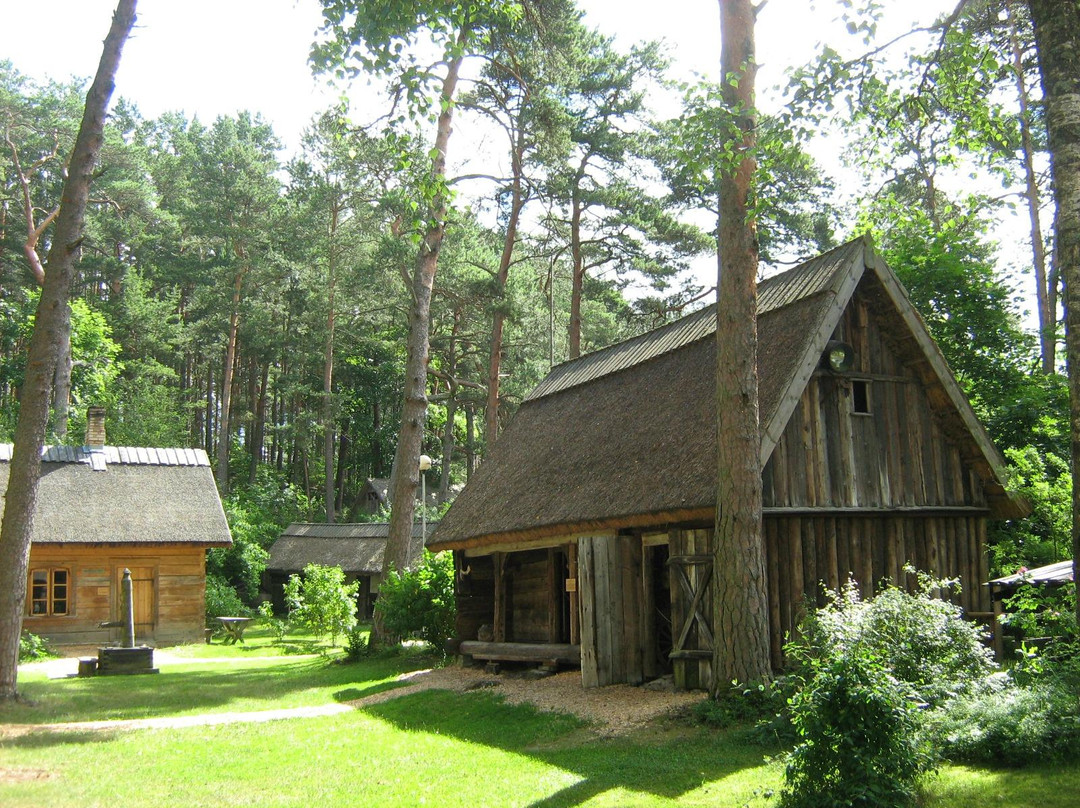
50, 590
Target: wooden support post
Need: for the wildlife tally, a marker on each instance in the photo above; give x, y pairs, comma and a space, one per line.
499, 629
575, 598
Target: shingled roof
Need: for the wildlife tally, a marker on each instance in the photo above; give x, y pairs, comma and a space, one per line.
625, 436
355, 547
124, 495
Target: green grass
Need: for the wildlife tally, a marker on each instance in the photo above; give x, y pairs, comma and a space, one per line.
429, 748
259, 641
266, 684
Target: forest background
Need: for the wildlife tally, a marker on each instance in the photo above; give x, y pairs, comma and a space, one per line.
253, 300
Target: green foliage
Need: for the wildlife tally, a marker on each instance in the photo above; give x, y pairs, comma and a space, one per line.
1045, 535
222, 600
278, 627
420, 602
1040, 611
1008, 724
858, 737
921, 640
321, 601
358, 643
32, 647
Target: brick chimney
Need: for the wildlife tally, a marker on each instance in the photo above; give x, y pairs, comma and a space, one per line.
95, 427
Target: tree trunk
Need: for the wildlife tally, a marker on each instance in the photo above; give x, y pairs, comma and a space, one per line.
578, 258
1047, 315
740, 602
226, 386
328, 375
1057, 37
405, 474
517, 202
21, 496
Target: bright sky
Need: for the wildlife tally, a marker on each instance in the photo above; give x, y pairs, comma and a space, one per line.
213, 57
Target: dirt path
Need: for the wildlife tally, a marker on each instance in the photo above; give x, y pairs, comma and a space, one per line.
612, 710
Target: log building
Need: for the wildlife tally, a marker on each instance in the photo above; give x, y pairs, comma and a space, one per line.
586, 532
101, 509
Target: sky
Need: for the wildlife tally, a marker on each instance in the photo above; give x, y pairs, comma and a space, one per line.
217, 57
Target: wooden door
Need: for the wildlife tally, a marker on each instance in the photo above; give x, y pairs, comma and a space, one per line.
143, 591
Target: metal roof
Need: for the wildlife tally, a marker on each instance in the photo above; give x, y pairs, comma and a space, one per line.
99, 458
775, 292
1059, 573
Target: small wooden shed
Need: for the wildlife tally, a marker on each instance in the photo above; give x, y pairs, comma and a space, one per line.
358, 548
590, 521
106, 508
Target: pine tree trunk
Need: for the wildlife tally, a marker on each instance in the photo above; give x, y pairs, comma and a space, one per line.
227, 384
328, 376
44, 348
1047, 315
517, 202
740, 602
405, 474
1057, 36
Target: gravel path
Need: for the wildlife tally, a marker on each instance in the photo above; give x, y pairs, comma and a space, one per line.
612, 710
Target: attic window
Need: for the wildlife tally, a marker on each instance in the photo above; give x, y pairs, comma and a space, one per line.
860, 397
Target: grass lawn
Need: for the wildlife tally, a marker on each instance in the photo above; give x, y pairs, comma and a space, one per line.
429, 748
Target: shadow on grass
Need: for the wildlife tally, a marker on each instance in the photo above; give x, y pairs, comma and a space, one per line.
47, 740
198, 689
667, 766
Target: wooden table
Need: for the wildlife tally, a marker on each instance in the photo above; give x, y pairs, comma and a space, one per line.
234, 628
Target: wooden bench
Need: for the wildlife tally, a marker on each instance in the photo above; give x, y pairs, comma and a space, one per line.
546, 654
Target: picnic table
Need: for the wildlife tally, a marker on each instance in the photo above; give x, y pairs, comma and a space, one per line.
234, 628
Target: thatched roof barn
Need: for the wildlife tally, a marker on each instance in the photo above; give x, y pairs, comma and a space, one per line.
102, 509
866, 465
358, 548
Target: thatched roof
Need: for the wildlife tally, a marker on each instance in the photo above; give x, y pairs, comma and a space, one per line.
125, 495
357, 548
626, 436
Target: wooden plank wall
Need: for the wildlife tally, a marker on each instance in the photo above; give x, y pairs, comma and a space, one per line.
609, 586
178, 605
475, 589
530, 588
803, 553
897, 455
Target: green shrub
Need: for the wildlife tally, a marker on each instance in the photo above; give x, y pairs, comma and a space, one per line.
859, 740
222, 600
32, 647
358, 643
1009, 724
921, 640
420, 603
277, 626
321, 601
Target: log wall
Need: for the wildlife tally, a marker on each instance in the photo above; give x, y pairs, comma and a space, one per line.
175, 606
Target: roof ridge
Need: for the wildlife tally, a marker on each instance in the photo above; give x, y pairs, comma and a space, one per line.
808, 278
100, 456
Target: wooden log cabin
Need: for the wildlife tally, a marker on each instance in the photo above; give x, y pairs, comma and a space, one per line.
101, 509
586, 533
358, 548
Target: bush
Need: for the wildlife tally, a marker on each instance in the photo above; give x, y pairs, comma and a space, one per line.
322, 601
919, 639
1009, 724
276, 625
358, 644
222, 600
420, 603
33, 647
859, 742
